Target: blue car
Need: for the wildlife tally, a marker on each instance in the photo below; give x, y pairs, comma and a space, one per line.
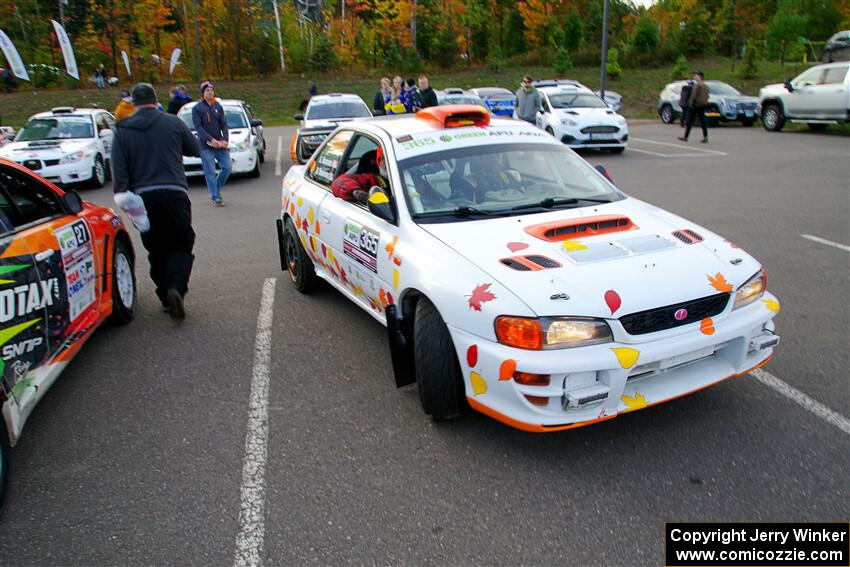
499, 101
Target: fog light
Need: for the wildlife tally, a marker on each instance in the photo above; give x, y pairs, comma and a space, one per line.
529, 379
538, 400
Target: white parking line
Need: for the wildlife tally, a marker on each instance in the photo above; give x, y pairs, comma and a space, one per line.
827, 242
252, 509
277, 166
679, 146
633, 149
802, 399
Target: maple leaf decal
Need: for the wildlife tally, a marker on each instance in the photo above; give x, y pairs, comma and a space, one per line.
480, 295
719, 283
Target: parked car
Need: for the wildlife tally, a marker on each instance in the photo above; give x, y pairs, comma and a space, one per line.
322, 115
247, 142
837, 47
612, 98
67, 266
454, 95
514, 278
580, 119
499, 101
725, 104
819, 96
66, 145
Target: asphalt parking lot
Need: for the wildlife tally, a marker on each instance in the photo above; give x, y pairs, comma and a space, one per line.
138, 453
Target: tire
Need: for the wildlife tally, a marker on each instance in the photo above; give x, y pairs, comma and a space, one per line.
256, 171
5, 462
98, 173
109, 170
438, 374
748, 121
814, 127
772, 118
667, 114
300, 267
263, 152
616, 150
124, 293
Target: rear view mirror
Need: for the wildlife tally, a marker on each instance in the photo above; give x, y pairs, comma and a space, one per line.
255, 123
789, 86
299, 117
601, 169
380, 205
73, 201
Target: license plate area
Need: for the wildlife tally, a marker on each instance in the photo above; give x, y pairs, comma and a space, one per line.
597, 136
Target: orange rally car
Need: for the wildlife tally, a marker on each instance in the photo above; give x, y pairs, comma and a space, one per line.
66, 266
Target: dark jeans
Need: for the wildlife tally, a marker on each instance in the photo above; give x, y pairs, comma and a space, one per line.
685, 112
698, 111
170, 240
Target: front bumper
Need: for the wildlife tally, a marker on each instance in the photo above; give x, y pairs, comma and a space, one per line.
240, 162
61, 174
599, 382
576, 139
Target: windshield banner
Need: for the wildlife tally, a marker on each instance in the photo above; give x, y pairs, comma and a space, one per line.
13, 57
67, 50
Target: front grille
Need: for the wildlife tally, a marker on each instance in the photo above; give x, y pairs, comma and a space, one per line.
663, 318
49, 162
32, 164
600, 130
194, 167
746, 106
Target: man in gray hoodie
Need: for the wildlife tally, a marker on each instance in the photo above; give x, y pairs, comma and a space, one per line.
527, 101
147, 159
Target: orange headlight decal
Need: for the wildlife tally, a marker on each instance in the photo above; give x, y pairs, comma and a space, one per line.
519, 332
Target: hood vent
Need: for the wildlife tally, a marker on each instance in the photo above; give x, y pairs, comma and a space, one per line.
688, 236
557, 231
532, 263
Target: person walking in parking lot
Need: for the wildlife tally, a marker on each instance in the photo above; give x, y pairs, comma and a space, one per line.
211, 126
527, 101
147, 159
697, 103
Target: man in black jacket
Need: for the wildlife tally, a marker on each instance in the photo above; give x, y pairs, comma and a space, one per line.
147, 159
427, 95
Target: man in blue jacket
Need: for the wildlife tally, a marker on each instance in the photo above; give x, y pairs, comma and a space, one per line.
211, 126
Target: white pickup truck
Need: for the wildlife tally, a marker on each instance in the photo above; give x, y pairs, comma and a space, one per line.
818, 96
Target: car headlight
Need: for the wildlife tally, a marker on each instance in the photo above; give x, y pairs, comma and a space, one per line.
752, 290
568, 122
314, 140
74, 157
546, 333
241, 146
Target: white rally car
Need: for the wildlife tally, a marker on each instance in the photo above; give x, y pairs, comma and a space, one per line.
322, 115
247, 143
580, 119
66, 145
515, 278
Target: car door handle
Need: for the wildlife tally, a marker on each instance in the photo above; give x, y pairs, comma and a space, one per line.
43, 255
325, 218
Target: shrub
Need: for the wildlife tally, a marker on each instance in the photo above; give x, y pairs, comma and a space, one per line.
645, 36
750, 66
323, 57
562, 62
680, 70
412, 61
572, 37
612, 66
496, 62
392, 58
446, 46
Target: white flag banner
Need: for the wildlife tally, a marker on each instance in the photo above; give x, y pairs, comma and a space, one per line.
67, 50
13, 57
175, 58
126, 61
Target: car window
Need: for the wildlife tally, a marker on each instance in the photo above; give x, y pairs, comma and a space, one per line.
235, 117
56, 128
810, 77
576, 100
101, 122
835, 75
249, 112
27, 200
324, 167
6, 225
545, 104
337, 109
360, 146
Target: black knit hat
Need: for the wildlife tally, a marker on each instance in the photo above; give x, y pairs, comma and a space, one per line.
144, 93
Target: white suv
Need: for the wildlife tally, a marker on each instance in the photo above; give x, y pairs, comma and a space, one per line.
818, 96
66, 145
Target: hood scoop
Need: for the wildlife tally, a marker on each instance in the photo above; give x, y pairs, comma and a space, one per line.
688, 236
530, 263
596, 251
567, 229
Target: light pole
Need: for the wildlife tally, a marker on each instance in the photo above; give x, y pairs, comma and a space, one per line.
604, 49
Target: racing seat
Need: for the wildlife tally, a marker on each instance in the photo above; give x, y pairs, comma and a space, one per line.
460, 186
368, 163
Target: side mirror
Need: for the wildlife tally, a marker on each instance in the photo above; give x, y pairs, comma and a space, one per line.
788, 86
299, 117
255, 123
380, 205
601, 169
73, 201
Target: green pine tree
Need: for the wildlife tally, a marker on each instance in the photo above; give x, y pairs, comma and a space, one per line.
562, 62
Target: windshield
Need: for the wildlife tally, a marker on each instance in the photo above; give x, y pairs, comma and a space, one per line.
458, 99
56, 128
500, 179
234, 115
337, 109
576, 100
722, 89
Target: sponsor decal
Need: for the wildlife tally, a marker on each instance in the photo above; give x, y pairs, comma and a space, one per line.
361, 245
22, 300
24, 347
75, 243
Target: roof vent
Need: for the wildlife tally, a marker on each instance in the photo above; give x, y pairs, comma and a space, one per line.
63, 110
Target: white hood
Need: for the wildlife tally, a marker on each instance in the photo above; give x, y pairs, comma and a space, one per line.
646, 265
44, 148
